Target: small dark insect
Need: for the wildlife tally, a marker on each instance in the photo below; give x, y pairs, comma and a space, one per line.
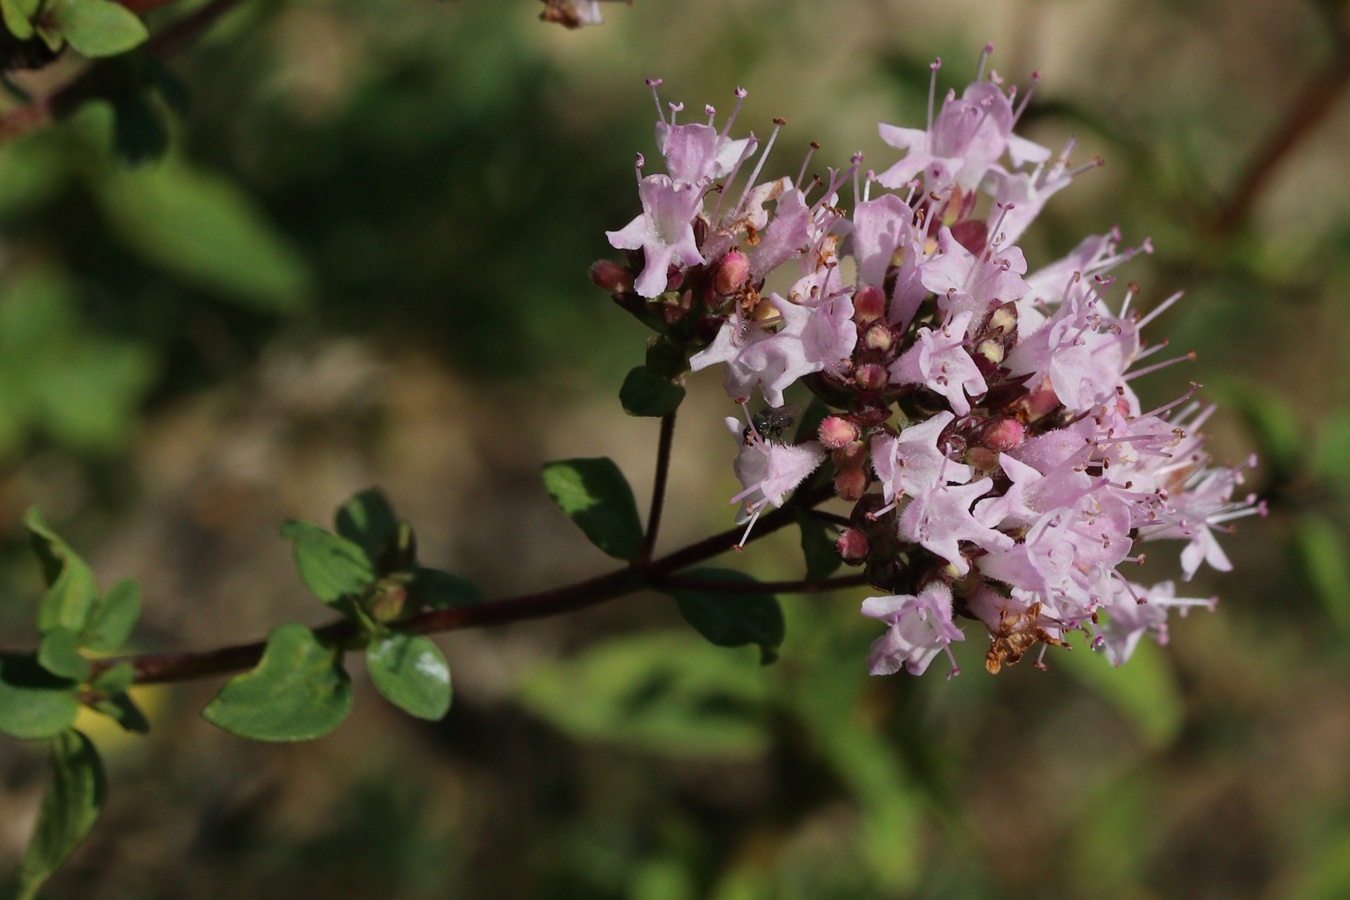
772, 422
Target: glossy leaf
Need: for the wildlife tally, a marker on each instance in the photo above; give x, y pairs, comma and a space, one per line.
332, 567
594, 494
298, 691
646, 393
69, 808
34, 703
411, 673
71, 590
113, 618
729, 619
97, 27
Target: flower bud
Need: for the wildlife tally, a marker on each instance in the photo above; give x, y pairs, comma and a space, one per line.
871, 377
1002, 435
610, 276
869, 304
852, 455
852, 546
850, 484
732, 273
837, 432
878, 337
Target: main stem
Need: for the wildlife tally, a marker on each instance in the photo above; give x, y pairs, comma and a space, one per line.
658, 574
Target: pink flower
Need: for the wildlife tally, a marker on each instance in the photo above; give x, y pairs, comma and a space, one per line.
920, 628
911, 463
664, 232
940, 362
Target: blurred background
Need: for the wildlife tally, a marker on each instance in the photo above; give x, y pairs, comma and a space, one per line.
363, 261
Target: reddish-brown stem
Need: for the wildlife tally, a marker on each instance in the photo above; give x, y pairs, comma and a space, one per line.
161, 668
658, 487
764, 587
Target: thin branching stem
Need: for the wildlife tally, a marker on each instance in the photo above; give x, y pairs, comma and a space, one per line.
161, 668
658, 487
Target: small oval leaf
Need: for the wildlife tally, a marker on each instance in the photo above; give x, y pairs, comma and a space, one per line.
69, 808
411, 673
71, 589
645, 393
59, 654
594, 494
729, 619
113, 618
33, 702
299, 691
98, 27
332, 567
368, 521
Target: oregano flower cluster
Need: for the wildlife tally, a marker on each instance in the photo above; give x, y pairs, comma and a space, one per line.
982, 418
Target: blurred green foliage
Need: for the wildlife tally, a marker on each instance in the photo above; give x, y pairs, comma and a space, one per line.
429, 181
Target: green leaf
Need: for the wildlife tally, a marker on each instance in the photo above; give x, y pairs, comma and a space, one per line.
332, 567
113, 618
1321, 547
206, 229
818, 538
97, 27
18, 15
730, 619
116, 679
124, 711
411, 673
71, 590
434, 589
645, 393
69, 808
368, 521
298, 692
59, 655
594, 494
33, 702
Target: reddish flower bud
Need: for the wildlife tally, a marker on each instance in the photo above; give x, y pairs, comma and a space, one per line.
850, 484
852, 455
837, 432
1002, 435
871, 377
610, 276
732, 273
852, 546
869, 304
